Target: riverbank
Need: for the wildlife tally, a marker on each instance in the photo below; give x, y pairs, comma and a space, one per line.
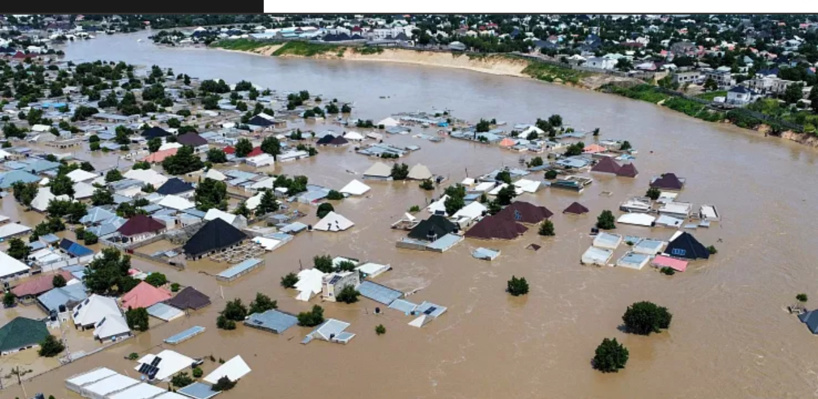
495, 64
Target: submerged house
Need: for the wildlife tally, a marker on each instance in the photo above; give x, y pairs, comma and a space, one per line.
668, 181
431, 229
331, 330
494, 227
333, 283
525, 212
606, 165
214, 236
139, 228
21, 333
576, 208
378, 171
687, 247
176, 186
333, 222
332, 141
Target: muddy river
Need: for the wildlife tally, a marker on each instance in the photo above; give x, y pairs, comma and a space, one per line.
730, 336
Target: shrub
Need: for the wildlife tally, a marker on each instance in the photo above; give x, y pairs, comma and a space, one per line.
156, 279
174, 287
311, 318
181, 380
414, 209
517, 286
380, 329
712, 249
58, 281
605, 220
551, 174
225, 324
9, 299
427, 185
335, 195
289, 280
547, 228
801, 297
197, 372
644, 318
348, 295
667, 270
610, 356
223, 384
51, 346
133, 356
653, 193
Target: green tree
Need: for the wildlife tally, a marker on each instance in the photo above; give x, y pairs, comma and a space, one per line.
427, 185
653, 193
334, 195
137, 319
184, 161
271, 146
223, 384
62, 185
262, 303
454, 204
712, 250
345, 266
555, 120
606, 220
801, 298
610, 356
289, 280
58, 281
380, 329
517, 286
400, 171
242, 210
243, 147
575, 149
503, 176
624, 64
645, 317
113, 175
506, 194
323, 263
102, 196
86, 166
793, 93
18, 249
108, 274
154, 144
710, 85
197, 372
9, 299
51, 346
156, 279
234, 310
76, 210
143, 165
267, 204
482, 126
324, 209
211, 194
348, 294
225, 324
536, 161
24, 193
311, 318
547, 228
181, 380
626, 145
90, 238
216, 155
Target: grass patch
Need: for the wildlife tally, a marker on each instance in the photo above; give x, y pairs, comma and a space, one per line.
549, 72
711, 95
367, 50
240, 44
306, 49
694, 109
643, 92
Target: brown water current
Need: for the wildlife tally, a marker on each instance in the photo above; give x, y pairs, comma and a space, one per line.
730, 336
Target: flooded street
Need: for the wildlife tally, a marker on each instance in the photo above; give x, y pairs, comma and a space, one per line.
730, 336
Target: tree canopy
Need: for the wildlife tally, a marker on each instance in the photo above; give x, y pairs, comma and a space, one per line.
610, 356
645, 317
517, 286
262, 303
108, 274
211, 194
184, 161
312, 318
606, 220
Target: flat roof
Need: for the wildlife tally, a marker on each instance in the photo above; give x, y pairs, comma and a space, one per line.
198, 390
272, 320
240, 268
379, 293
184, 335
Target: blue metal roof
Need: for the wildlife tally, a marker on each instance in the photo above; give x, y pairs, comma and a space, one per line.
272, 320
379, 293
52, 300
403, 306
198, 390
9, 178
185, 335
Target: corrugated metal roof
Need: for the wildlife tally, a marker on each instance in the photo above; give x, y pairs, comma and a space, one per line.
379, 293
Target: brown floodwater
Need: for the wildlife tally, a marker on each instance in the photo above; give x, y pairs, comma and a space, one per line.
730, 336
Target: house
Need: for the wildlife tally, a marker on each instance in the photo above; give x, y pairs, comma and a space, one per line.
607, 240
661, 261
333, 283
740, 96
419, 172
668, 181
722, 78
234, 369
162, 366
44, 197
215, 235
687, 247
144, 295
238, 221
11, 268
600, 63
688, 77
7, 179
637, 219
628, 170
139, 228
60, 299
331, 330
576, 208
457, 46
355, 187
431, 229
147, 176
606, 165
468, 213
192, 139
811, 320
332, 141
260, 160
38, 285
596, 256
309, 284
494, 227
378, 171
189, 299
21, 333
92, 310
272, 320
176, 186
79, 175
524, 212
333, 222
176, 202
155, 132
111, 327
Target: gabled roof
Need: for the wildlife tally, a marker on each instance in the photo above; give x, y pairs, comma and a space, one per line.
436, 225
355, 187
140, 224
78, 175
174, 186
189, 298
811, 320
110, 326
192, 139
493, 227
160, 155
39, 285
176, 202
22, 332
215, 234
93, 309
144, 295
525, 212
332, 140
419, 172
67, 296
688, 247
233, 369
259, 121
576, 208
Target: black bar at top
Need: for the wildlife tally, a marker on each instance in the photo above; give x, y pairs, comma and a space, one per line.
132, 7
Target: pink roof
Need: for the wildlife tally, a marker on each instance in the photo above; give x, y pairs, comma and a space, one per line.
39, 285
666, 261
144, 295
507, 142
160, 156
594, 148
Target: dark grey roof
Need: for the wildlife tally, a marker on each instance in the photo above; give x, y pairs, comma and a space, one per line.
811, 320
174, 186
216, 234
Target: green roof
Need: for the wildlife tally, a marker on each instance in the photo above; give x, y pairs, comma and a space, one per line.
22, 332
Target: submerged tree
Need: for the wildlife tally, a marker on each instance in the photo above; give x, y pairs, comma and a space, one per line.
645, 317
517, 286
610, 356
606, 220
547, 228
137, 319
262, 303
311, 318
348, 294
289, 280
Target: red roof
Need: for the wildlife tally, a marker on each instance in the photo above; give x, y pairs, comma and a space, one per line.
139, 224
256, 152
229, 150
144, 295
576, 208
39, 285
525, 212
666, 261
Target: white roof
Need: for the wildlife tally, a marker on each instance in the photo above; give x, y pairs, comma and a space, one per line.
607, 240
373, 135
44, 196
497, 189
636, 218
676, 208
4, 154
172, 362
439, 205
78, 175
176, 202
354, 136
90, 376
10, 266
268, 243
83, 190
111, 325
596, 256
169, 146
263, 184
471, 211
139, 391
309, 283
333, 222
93, 309
388, 122
214, 213
530, 129
355, 187
378, 169
667, 220
420, 172
233, 369
485, 186
215, 175
420, 321
147, 176
254, 201
372, 269
10, 229
261, 160
467, 181
528, 186
104, 387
